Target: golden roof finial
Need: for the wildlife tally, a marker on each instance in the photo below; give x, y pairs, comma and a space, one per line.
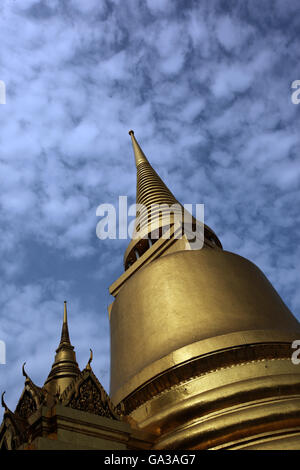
65, 368
4, 405
88, 366
65, 312
24, 372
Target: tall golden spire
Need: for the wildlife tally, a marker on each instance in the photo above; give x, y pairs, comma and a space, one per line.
151, 189
159, 208
65, 367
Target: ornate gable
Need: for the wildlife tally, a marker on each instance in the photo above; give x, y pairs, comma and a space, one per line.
26, 405
87, 394
31, 398
13, 429
9, 434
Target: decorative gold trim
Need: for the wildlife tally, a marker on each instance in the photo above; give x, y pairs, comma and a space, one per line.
205, 364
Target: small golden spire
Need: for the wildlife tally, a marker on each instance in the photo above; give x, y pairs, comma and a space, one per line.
65, 338
3, 402
65, 312
65, 368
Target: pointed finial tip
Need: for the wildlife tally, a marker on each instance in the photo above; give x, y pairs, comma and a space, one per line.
88, 366
131, 132
65, 311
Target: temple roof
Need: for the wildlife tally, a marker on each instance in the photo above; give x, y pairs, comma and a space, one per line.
65, 385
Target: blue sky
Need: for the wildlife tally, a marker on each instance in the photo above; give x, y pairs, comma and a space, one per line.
207, 88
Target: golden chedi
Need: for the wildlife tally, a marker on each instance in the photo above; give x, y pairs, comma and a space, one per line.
200, 340
201, 348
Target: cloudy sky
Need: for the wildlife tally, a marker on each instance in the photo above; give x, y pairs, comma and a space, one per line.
207, 88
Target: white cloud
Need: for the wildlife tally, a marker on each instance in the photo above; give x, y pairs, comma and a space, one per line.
230, 33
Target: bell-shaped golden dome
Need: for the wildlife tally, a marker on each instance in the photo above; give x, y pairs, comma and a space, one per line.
187, 304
